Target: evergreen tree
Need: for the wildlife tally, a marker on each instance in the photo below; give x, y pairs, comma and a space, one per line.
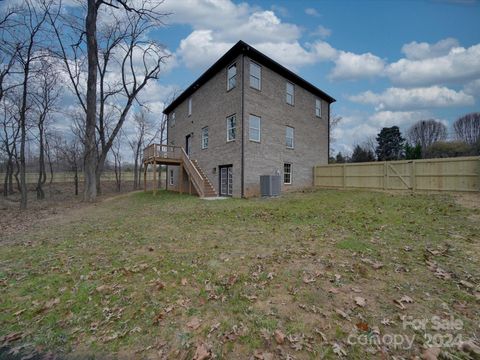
390, 144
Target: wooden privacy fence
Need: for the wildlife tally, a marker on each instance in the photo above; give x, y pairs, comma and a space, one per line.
448, 174
68, 177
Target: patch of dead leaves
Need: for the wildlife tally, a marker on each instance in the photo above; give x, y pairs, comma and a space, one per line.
202, 352
405, 299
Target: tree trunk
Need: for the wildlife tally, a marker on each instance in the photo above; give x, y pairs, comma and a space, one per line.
42, 176
90, 192
75, 179
23, 135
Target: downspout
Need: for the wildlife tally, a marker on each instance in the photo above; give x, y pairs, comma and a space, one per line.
328, 141
243, 130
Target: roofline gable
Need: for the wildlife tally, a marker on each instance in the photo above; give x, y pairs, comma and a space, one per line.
242, 47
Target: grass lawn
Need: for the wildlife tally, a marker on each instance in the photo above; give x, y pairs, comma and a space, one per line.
321, 274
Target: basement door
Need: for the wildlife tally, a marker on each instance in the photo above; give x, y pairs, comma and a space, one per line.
226, 180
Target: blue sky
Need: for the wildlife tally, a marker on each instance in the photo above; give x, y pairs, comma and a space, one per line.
386, 62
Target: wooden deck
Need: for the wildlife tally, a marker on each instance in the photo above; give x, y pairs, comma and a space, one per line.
162, 154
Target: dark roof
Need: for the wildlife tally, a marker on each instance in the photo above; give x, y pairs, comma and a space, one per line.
239, 48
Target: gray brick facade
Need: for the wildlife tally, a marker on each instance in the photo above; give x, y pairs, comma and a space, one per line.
212, 103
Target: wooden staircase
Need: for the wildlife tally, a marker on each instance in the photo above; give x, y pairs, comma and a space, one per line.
208, 187
156, 154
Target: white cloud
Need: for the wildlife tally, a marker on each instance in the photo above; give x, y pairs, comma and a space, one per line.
458, 65
419, 51
322, 32
473, 87
357, 128
312, 12
416, 98
353, 66
199, 49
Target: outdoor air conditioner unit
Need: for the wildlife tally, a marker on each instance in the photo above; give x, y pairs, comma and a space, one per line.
270, 185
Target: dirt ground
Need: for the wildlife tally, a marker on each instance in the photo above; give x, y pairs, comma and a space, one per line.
60, 200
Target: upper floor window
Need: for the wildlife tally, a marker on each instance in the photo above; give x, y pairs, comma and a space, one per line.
205, 137
287, 173
231, 76
172, 119
254, 128
289, 137
290, 93
189, 106
255, 76
231, 128
318, 108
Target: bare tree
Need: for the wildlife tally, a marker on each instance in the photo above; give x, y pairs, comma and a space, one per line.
25, 35
44, 98
137, 60
426, 132
10, 132
467, 128
70, 151
117, 161
334, 121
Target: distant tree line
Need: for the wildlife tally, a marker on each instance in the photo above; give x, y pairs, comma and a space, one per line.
100, 57
424, 140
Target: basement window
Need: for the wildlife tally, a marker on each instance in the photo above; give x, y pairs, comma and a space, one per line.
287, 173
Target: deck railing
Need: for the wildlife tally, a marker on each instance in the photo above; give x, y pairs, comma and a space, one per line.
195, 176
155, 151
162, 151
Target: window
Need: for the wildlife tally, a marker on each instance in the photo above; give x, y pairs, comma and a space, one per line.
171, 177
254, 128
287, 173
189, 106
172, 119
232, 76
289, 135
205, 137
318, 108
255, 76
290, 93
231, 128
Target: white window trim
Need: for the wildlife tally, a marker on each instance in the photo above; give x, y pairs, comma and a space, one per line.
259, 128
171, 178
291, 173
259, 78
189, 106
228, 128
293, 137
318, 108
292, 94
204, 137
234, 76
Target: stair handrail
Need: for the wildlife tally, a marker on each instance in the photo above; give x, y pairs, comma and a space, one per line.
197, 178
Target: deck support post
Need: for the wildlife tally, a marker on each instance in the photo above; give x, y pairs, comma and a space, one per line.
181, 179
145, 166
154, 178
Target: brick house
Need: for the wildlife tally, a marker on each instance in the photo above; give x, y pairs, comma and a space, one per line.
247, 116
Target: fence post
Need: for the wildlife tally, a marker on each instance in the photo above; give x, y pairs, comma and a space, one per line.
344, 175
413, 176
385, 171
